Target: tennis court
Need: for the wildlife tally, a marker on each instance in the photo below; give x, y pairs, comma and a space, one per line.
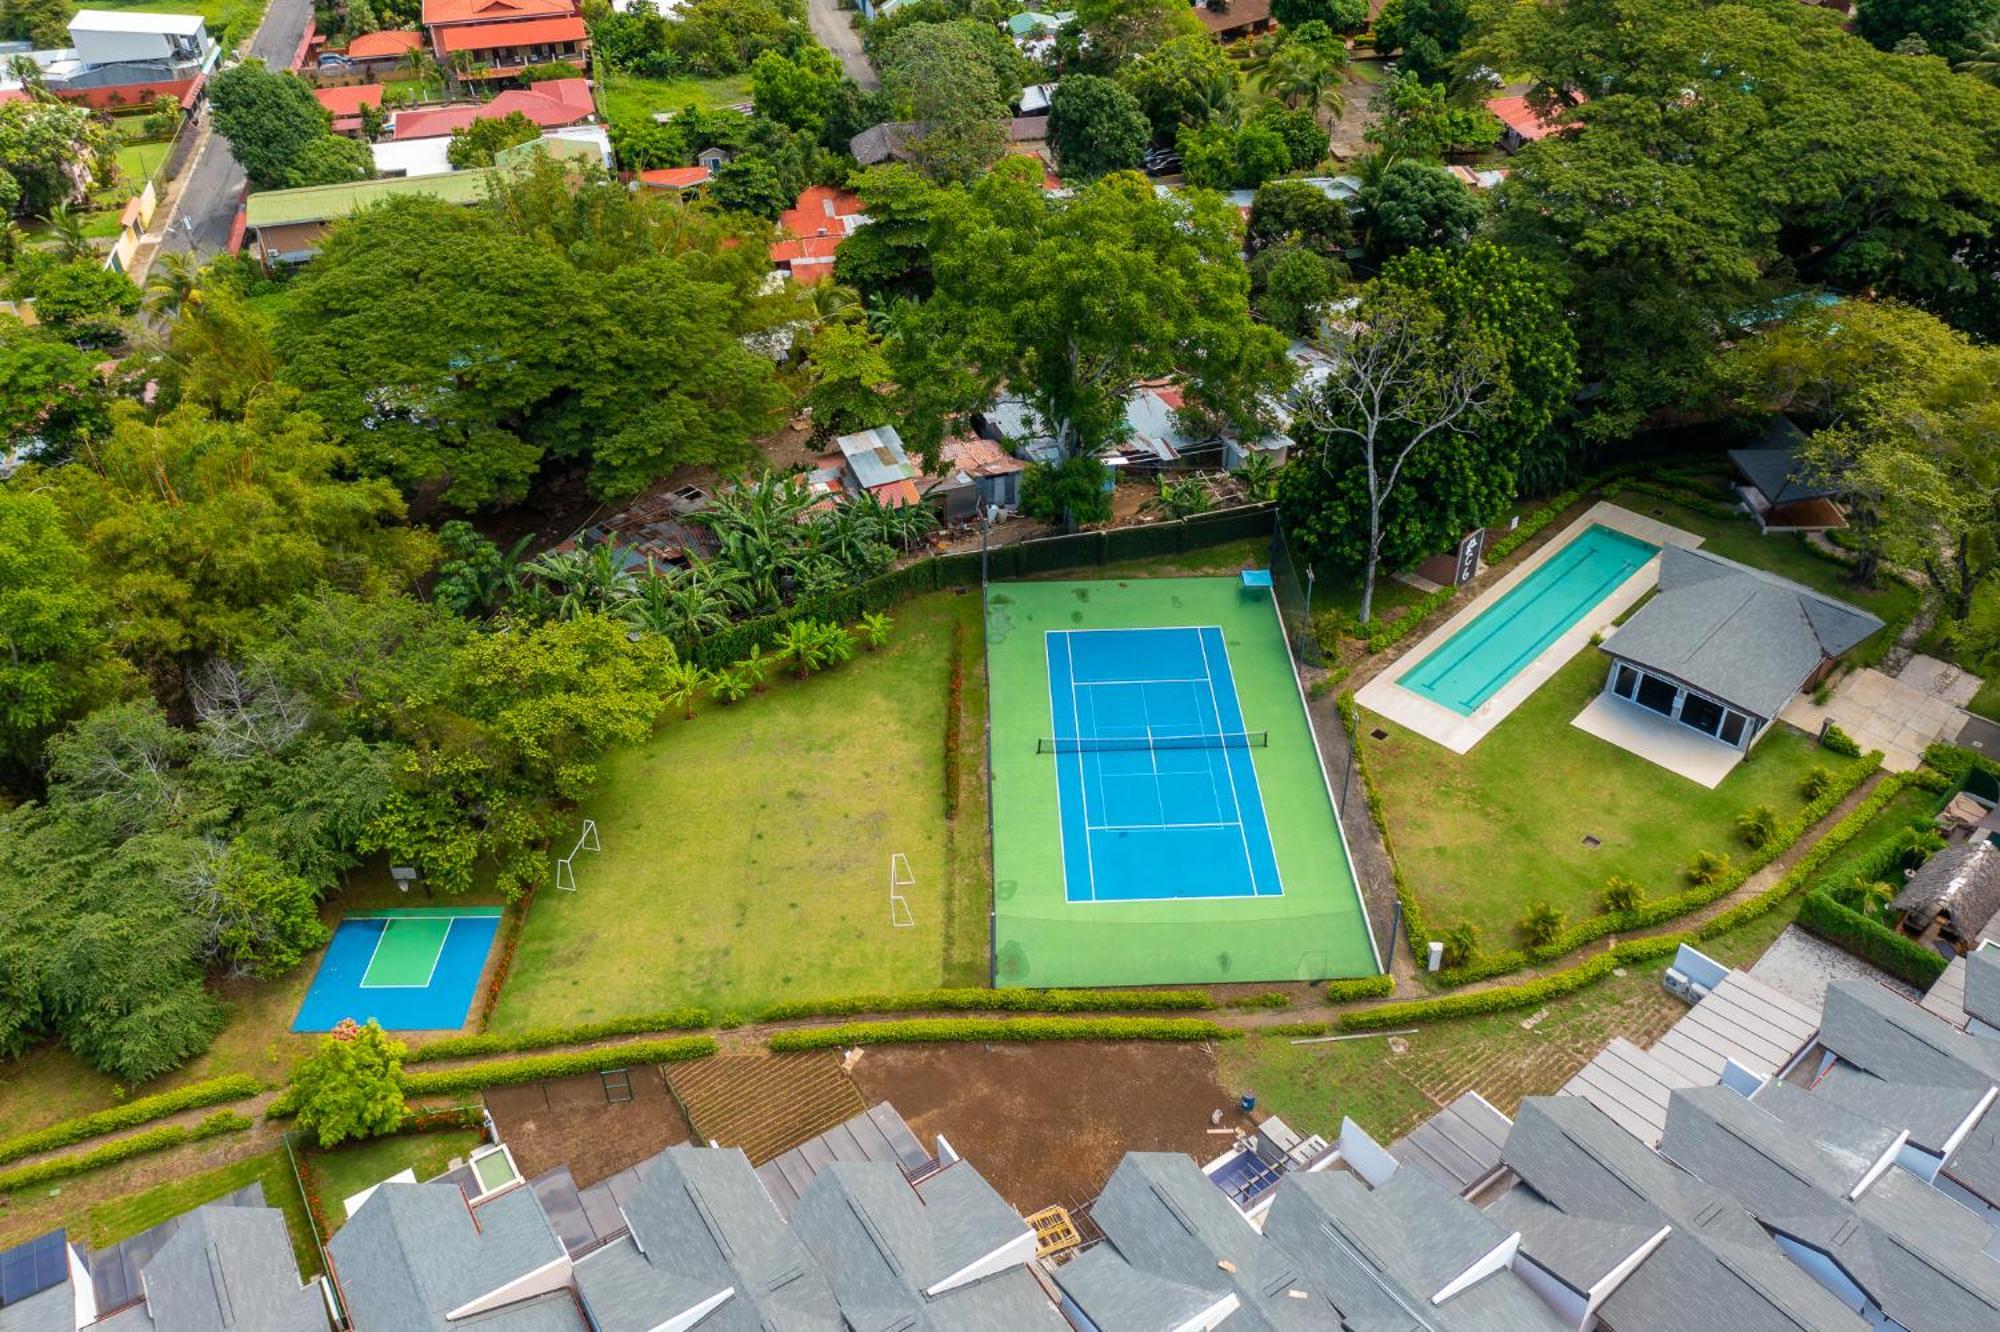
413, 969
1160, 813
1158, 786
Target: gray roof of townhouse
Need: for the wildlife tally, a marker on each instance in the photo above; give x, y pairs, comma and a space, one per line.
1982, 985
1976, 1163
226, 1268
701, 1224
1118, 1297
1961, 881
1883, 1033
1931, 1114
51, 1310
1916, 1252
1460, 1144
1739, 634
883, 1243
1381, 1255
1166, 1219
1716, 1268
414, 1252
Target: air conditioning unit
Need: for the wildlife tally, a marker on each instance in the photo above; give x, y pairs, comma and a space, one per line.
1679, 985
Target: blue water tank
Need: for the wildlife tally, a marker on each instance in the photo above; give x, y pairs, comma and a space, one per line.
1247, 1103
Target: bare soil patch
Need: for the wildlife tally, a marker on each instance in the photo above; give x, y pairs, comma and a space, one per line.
571, 1122
1047, 1124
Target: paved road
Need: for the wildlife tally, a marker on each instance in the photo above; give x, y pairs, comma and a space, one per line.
215, 182
830, 24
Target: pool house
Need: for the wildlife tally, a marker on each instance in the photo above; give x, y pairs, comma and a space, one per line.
1722, 647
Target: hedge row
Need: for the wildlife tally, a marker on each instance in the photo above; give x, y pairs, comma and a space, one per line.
541, 1038
1413, 916
1267, 999
1871, 941
510, 940
1686, 498
975, 1000
1384, 633
535, 1068
1361, 987
129, 1115
1002, 1029
123, 1149
1320, 1027
1955, 763
1661, 910
1525, 530
1501, 998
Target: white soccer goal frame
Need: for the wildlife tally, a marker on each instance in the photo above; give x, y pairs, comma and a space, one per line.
900, 876
566, 867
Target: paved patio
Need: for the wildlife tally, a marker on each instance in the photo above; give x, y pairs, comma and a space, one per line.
1658, 739
1883, 713
1802, 966
1386, 698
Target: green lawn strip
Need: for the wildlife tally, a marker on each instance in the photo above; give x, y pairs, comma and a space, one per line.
919, 1030
1481, 835
143, 1143
746, 852
108, 1223
341, 1172
131, 1114
632, 99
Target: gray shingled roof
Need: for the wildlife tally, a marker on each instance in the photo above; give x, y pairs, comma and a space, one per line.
51, 1310
228, 1268
1742, 635
1117, 1297
887, 142
1885, 1034
1460, 1144
413, 1253
1930, 1113
1961, 882
1774, 467
1982, 985
876, 1134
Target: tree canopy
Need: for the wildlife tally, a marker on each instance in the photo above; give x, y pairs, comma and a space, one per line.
1095, 127
278, 130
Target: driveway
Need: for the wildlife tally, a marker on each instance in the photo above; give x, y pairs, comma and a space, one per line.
830, 23
207, 205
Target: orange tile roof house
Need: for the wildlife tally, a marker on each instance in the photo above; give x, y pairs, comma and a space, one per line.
1523, 124
344, 104
551, 104
388, 44
506, 35
681, 179
821, 219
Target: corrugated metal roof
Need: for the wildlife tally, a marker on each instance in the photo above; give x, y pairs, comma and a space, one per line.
1459, 1145
876, 1134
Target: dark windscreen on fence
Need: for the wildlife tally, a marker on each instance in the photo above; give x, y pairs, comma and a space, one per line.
1294, 598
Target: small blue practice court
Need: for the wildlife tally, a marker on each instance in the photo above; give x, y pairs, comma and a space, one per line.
1154, 769
414, 969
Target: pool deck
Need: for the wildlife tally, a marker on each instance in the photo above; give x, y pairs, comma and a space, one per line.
1386, 698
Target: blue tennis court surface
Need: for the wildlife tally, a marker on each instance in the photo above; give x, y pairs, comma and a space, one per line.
401, 969
1154, 771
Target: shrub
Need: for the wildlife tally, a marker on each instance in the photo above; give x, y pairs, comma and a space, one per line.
510, 940
541, 1038
1709, 867
129, 1115
1383, 633
1360, 987
992, 1001
1542, 924
874, 629
351, 1087
1621, 895
1002, 1029
1461, 944
1501, 998
1816, 783
1836, 741
536, 1068
1895, 953
1757, 826
1268, 999
1316, 1028
121, 1149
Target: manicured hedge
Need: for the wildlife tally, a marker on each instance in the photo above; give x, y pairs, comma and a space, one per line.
1503, 997
1294, 1029
1002, 1029
542, 1038
1871, 941
1005, 1000
1661, 910
123, 1149
1385, 633
1360, 987
1525, 530
534, 1068
129, 1115
1268, 999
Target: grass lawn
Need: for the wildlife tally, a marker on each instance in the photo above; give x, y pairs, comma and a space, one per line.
136, 164
107, 1223
1481, 835
344, 1171
630, 99
746, 852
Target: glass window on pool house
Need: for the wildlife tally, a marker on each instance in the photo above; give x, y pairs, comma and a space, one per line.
1676, 701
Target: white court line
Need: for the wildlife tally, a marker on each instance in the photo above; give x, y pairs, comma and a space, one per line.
436, 957
1082, 779
1157, 827
1172, 679
1229, 763
1061, 848
1258, 790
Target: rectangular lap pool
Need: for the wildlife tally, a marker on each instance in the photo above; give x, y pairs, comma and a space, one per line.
1475, 663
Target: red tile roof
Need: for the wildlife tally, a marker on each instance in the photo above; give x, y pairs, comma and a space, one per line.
349, 101
810, 248
551, 105
1517, 115
438, 12
388, 42
494, 36
817, 209
675, 178
896, 494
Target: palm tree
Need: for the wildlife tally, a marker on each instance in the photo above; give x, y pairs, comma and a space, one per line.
874, 629
174, 281
683, 683
757, 528
1258, 477
1181, 499
1984, 62
423, 67
67, 229
586, 578
730, 684
685, 604
801, 644
834, 304
11, 237
1302, 76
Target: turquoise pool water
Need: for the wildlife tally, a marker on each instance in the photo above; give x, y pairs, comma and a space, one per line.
1475, 663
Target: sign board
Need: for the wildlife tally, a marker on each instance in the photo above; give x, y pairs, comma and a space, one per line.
1470, 547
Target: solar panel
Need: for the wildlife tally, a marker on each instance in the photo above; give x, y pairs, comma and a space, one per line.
31, 1268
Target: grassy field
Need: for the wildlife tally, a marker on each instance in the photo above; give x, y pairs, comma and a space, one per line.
1481, 835
344, 1171
630, 99
746, 852
107, 1223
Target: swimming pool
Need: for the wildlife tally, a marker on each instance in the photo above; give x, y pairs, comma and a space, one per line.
1475, 663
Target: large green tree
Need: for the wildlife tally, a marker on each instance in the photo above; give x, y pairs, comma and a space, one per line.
1185, 81
1427, 34
54, 622
49, 154
351, 1087
1095, 127
1948, 28
52, 398
271, 120
937, 75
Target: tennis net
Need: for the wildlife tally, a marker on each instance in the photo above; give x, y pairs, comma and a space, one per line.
1101, 744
